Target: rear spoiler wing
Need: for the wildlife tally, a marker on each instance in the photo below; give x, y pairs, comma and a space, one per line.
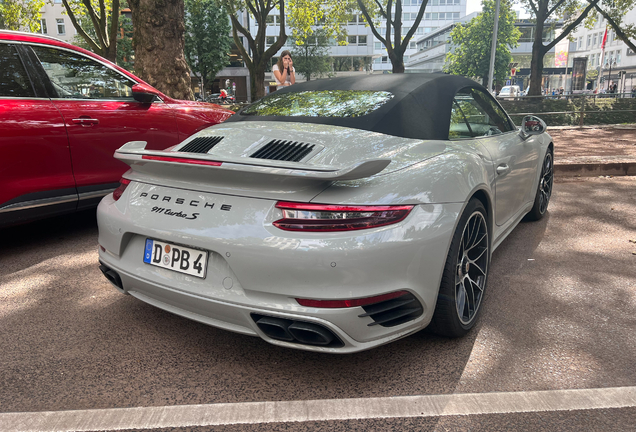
135, 153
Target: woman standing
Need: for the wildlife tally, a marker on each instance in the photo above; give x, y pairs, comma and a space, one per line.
284, 72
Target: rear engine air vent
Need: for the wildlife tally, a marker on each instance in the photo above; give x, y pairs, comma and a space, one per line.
282, 150
201, 144
393, 312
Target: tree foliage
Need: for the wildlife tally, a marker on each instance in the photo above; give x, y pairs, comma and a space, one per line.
124, 52
393, 40
614, 12
103, 15
472, 43
351, 63
310, 55
207, 38
20, 14
305, 15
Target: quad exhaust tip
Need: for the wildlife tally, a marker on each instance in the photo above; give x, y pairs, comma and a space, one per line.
297, 331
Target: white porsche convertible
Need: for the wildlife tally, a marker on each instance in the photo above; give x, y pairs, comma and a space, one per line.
335, 215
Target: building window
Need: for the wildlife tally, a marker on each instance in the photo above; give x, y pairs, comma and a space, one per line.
61, 29
353, 19
58, 2
377, 45
412, 45
419, 31
352, 40
43, 29
270, 40
362, 40
272, 20
580, 42
618, 57
595, 39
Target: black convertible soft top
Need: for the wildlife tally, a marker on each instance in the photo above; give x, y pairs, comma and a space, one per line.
420, 107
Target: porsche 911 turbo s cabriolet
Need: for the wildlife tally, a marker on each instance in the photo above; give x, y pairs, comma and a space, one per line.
335, 215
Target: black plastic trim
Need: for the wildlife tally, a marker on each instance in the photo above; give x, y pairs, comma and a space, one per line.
391, 313
201, 144
283, 150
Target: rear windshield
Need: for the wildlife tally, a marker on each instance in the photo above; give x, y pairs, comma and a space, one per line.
324, 103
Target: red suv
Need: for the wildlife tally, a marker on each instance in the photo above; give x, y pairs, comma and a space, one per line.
63, 113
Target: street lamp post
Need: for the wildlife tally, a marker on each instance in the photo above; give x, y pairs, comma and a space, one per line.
611, 61
493, 48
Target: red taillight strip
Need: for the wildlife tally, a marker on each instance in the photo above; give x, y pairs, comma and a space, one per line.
123, 184
350, 302
182, 160
338, 208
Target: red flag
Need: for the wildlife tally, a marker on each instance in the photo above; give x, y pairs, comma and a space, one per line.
603, 49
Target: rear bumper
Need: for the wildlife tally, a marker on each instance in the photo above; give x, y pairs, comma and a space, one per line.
255, 268
240, 318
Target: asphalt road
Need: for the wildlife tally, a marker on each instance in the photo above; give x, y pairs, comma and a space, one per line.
559, 313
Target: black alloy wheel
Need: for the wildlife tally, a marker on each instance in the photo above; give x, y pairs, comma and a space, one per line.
465, 274
544, 190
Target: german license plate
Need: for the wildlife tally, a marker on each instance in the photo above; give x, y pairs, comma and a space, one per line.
176, 258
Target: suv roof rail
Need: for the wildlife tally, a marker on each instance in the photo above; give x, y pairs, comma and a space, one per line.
32, 34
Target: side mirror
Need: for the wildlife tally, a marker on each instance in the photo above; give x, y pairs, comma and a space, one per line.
144, 93
531, 125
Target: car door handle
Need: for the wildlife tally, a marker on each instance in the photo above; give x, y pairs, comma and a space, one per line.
86, 121
503, 169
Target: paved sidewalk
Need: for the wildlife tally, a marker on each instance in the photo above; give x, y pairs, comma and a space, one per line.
594, 150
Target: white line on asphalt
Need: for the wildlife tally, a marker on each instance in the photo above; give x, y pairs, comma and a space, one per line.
320, 410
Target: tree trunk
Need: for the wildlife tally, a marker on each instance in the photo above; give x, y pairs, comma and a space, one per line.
258, 83
538, 52
397, 60
158, 38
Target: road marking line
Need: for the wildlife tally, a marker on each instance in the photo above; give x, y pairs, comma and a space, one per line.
320, 410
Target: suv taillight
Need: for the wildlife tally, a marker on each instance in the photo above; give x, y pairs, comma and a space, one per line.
123, 183
325, 217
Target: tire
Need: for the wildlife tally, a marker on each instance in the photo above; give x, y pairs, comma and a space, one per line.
465, 274
544, 189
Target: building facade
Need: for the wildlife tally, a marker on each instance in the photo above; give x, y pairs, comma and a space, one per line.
618, 65
54, 21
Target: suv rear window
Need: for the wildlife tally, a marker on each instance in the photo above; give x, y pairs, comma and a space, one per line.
324, 103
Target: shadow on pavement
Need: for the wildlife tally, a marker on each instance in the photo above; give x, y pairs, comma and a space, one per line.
71, 341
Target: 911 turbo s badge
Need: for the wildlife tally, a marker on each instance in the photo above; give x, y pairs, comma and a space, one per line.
168, 211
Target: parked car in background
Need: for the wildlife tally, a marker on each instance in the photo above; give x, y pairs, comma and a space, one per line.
217, 98
64, 112
333, 215
512, 91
